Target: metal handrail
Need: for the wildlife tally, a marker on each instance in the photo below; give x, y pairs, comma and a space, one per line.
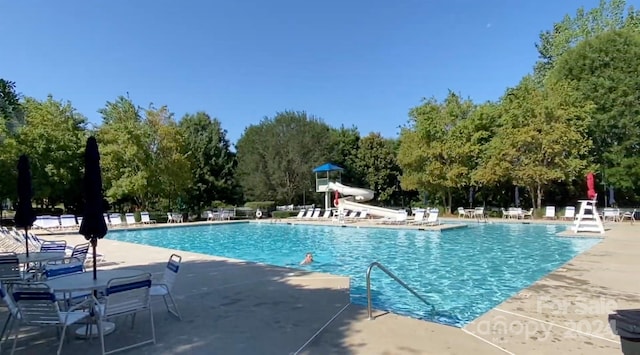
394, 277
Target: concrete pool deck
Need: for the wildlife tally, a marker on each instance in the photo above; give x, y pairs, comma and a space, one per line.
235, 307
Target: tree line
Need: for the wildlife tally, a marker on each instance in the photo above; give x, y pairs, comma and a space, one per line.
578, 111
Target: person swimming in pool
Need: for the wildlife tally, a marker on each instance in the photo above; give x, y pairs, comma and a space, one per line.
308, 259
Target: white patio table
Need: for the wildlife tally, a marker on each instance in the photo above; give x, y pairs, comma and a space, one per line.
85, 282
38, 257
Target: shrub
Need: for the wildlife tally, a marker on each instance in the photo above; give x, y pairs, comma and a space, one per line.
283, 214
262, 205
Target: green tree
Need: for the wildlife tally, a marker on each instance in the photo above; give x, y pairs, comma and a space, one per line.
53, 138
11, 119
344, 152
433, 153
276, 157
376, 160
542, 138
212, 162
124, 152
605, 71
11, 112
608, 16
170, 170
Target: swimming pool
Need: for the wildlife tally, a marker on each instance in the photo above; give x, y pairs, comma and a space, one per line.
464, 272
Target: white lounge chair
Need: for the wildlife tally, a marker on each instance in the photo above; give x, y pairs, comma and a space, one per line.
308, 214
68, 221
116, 219
418, 216
130, 218
550, 212
432, 218
569, 213
145, 219
326, 214
300, 214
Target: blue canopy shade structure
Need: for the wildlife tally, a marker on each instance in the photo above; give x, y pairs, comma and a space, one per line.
327, 168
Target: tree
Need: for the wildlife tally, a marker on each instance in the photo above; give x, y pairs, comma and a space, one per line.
11, 119
11, 112
170, 170
608, 16
212, 162
276, 157
604, 70
376, 160
433, 152
344, 146
542, 138
53, 138
124, 152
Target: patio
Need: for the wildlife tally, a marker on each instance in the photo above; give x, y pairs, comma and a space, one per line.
235, 307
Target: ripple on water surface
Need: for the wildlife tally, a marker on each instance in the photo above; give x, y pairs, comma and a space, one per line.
463, 272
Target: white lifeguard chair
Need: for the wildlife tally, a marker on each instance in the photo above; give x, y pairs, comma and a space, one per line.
588, 219
324, 174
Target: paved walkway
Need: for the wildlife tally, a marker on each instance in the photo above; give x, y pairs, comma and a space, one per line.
236, 307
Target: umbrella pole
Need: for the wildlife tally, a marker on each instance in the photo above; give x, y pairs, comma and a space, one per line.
95, 265
26, 239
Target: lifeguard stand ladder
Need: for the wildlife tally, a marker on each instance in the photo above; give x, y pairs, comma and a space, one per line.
588, 219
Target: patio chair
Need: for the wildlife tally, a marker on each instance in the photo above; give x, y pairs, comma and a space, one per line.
13, 313
569, 213
610, 214
52, 246
550, 212
68, 221
418, 216
432, 218
145, 219
300, 214
126, 296
116, 219
629, 215
80, 252
37, 306
479, 214
130, 218
461, 212
9, 268
164, 286
528, 213
308, 214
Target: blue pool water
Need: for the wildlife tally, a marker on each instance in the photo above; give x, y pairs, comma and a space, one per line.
463, 272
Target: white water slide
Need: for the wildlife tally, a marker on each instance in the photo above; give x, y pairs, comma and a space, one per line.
361, 195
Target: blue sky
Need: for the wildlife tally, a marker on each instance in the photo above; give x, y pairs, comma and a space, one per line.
362, 63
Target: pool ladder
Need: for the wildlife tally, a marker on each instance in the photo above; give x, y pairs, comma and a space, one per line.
395, 278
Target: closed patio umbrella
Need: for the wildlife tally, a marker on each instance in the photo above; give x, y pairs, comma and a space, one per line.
93, 226
517, 197
24, 213
612, 199
591, 186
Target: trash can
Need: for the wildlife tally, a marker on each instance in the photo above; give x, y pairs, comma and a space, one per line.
626, 324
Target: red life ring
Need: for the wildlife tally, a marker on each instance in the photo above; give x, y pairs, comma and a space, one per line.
336, 199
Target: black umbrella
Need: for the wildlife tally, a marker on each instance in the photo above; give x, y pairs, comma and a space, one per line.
24, 213
93, 226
